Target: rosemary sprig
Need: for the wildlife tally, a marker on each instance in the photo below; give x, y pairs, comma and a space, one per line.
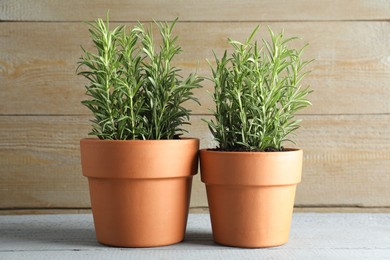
135, 92
257, 92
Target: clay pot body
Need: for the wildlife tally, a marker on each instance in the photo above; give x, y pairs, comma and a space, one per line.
140, 189
251, 195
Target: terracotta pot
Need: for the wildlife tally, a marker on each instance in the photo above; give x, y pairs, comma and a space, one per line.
140, 190
251, 195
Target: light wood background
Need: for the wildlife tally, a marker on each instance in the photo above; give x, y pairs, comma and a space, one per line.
345, 135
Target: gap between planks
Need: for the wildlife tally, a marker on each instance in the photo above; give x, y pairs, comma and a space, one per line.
194, 210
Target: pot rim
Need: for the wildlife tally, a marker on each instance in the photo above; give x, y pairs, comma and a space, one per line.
251, 168
139, 159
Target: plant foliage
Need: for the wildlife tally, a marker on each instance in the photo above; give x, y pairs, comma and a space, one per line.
135, 92
257, 92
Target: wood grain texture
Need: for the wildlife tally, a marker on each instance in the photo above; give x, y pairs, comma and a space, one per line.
40, 162
312, 236
345, 134
350, 74
200, 10
346, 161
345, 158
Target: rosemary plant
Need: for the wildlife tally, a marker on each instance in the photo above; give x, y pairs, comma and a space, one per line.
257, 92
135, 92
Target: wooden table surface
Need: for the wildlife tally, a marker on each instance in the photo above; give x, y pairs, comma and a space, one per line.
313, 236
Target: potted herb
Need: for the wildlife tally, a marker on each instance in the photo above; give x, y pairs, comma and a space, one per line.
251, 178
139, 169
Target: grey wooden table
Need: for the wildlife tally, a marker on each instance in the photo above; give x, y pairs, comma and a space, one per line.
313, 236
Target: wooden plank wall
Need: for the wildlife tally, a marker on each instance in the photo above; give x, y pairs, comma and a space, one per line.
345, 135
